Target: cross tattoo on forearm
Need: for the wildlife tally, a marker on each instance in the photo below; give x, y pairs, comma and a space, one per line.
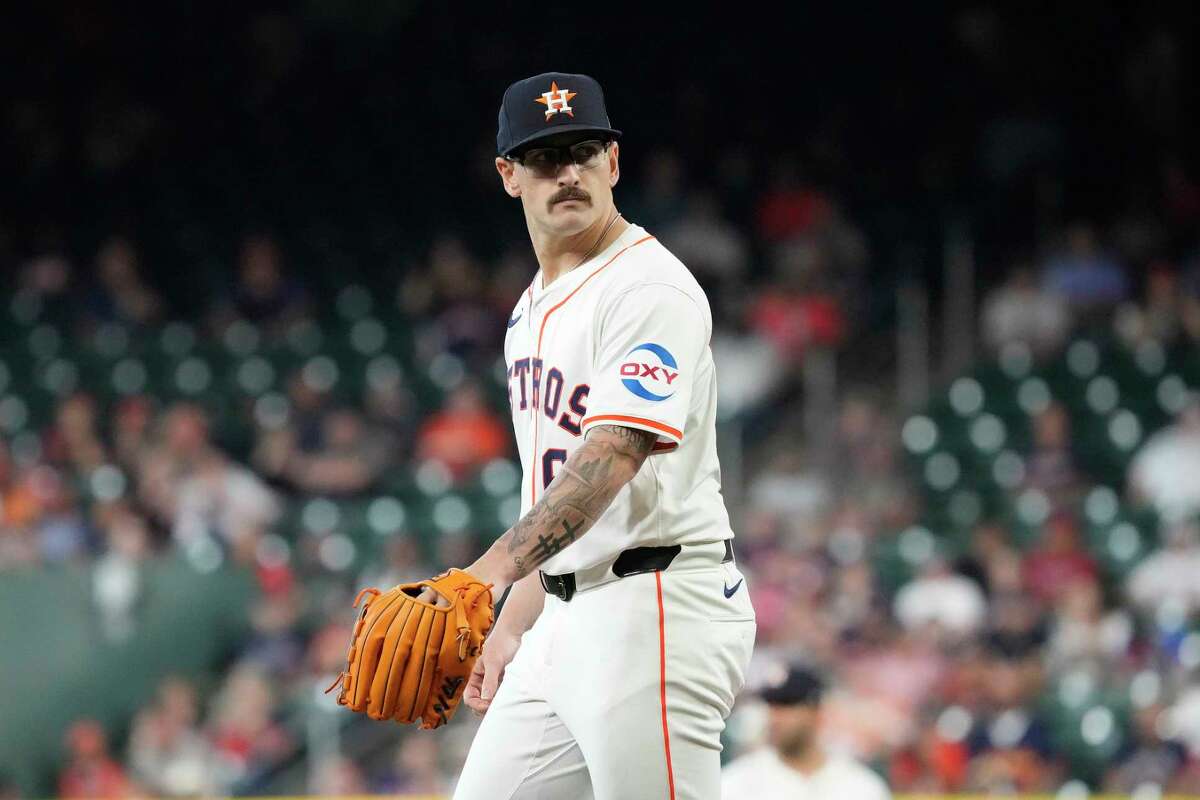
548, 546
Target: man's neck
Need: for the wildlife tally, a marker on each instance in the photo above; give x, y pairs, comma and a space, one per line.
559, 255
805, 762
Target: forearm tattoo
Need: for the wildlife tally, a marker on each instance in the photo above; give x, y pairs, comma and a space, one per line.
575, 499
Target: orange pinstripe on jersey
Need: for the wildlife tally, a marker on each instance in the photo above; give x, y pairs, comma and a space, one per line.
662, 679
658, 426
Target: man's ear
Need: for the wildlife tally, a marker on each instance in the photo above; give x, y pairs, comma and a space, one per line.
614, 164
508, 176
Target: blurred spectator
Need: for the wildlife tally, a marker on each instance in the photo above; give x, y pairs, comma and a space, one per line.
1182, 201
1148, 759
392, 414
199, 491
132, 430
660, 202
799, 312
346, 461
401, 563
465, 434
935, 762
790, 207
1010, 745
1021, 311
795, 764
464, 322
1084, 635
167, 753
455, 547
18, 511
887, 675
790, 488
337, 776
74, 442
243, 731
1183, 721
415, 770
1058, 560
276, 644
1160, 314
119, 294
938, 597
1083, 275
326, 655
1168, 575
90, 771
45, 286
308, 405
62, 532
1016, 625
714, 250
1050, 465
747, 369
853, 599
1165, 472
263, 295
117, 575
991, 561
863, 462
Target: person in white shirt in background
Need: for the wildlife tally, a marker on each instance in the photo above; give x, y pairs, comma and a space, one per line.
792, 764
1165, 472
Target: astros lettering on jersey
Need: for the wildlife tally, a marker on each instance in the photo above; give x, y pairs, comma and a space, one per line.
621, 340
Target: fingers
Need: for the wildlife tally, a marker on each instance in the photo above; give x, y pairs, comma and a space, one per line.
430, 595
471, 695
491, 682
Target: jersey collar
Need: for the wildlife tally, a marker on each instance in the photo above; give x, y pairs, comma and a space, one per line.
572, 279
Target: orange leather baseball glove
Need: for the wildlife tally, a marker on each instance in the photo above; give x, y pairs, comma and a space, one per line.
410, 659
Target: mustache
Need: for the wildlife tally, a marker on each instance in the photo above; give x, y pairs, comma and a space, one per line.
570, 193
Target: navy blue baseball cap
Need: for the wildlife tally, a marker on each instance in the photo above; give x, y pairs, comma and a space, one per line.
795, 686
550, 104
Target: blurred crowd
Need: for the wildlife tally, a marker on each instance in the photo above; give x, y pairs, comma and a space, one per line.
941, 679
124, 473
174, 385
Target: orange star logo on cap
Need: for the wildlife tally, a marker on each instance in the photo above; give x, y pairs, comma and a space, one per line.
556, 100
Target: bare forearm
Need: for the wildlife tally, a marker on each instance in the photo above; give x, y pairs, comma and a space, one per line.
522, 607
586, 485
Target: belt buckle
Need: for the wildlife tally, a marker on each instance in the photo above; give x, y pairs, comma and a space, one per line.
556, 585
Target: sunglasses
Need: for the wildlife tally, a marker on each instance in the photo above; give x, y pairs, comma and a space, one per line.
544, 162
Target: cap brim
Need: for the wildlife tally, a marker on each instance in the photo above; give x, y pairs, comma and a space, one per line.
558, 129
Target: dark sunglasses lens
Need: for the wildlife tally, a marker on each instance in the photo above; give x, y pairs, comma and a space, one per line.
585, 154
541, 161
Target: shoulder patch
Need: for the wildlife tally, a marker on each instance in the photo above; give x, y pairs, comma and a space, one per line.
649, 371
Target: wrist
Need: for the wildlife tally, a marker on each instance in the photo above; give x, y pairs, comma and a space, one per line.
488, 572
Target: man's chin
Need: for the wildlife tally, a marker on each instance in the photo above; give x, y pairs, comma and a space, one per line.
570, 216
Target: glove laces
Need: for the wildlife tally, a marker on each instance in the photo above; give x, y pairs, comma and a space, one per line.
460, 614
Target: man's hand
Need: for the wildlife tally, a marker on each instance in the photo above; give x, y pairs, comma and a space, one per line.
485, 678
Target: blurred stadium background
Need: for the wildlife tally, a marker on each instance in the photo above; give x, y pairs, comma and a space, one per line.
256, 265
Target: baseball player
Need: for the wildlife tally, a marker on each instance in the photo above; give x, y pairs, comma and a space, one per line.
617, 655
794, 765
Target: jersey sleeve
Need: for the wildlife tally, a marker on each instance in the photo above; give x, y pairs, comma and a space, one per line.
648, 349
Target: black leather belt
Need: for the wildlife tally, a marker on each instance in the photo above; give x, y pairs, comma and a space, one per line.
633, 561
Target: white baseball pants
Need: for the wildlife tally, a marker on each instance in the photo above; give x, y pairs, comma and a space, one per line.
622, 692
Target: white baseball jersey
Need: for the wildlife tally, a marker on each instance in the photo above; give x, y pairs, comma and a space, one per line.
762, 774
622, 339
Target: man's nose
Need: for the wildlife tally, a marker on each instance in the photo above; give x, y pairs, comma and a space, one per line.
568, 174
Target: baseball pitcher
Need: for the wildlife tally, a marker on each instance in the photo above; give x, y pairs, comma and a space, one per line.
617, 655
